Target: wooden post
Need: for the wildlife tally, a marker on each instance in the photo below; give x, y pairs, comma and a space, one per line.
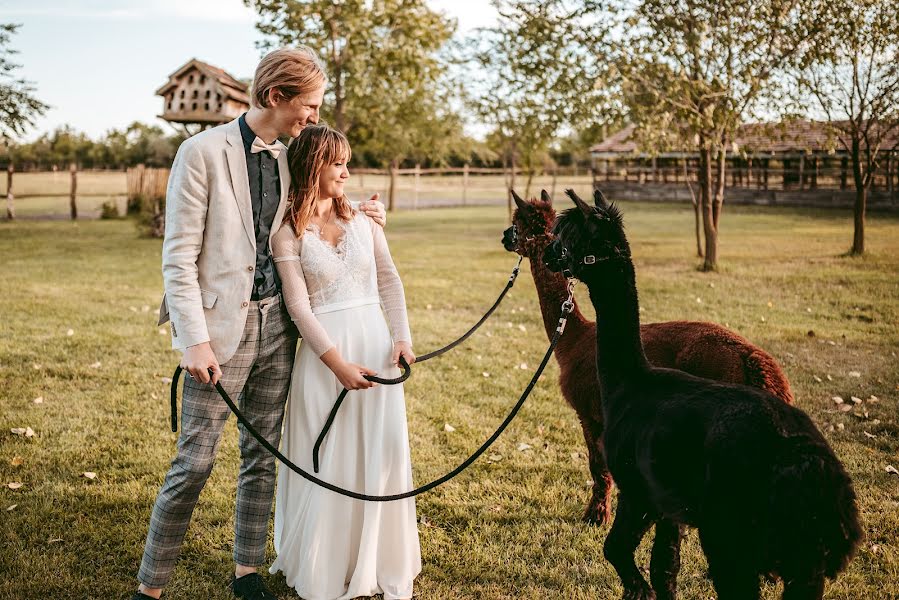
465, 184
765, 173
814, 184
73, 207
10, 197
391, 193
417, 176
655, 170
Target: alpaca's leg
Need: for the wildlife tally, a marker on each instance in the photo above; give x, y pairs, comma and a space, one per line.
631, 523
665, 563
807, 589
598, 510
732, 573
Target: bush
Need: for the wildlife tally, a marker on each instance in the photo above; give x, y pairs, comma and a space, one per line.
110, 210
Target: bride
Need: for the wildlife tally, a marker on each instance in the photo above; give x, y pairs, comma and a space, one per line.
338, 281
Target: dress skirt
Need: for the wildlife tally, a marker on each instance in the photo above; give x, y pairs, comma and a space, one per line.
329, 546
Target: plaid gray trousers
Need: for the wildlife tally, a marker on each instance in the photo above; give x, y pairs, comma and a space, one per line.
258, 376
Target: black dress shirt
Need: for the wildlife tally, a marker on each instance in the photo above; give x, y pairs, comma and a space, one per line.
265, 192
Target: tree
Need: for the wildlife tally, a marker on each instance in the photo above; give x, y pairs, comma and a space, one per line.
535, 74
853, 79
18, 106
386, 90
691, 71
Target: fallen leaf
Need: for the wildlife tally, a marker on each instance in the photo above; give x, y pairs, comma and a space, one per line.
770, 304
488, 334
508, 323
837, 400
854, 374
830, 428
522, 447
873, 399
818, 379
829, 378
698, 300
70, 332
523, 366
16, 461
162, 331
575, 455
428, 306
145, 308
845, 407
495, 457
831, 342
522, 327
448, 428
14, 485
855, 399
154, 396
89, 475
165, 379
54, 540
11, 507
38, 400
132, 309
36, 366
891, 470
841, 426
869, 435
424, 521
29, 432
808, 309
485, 374
874, 548
96, 365
763, 319
18, 430
540, 429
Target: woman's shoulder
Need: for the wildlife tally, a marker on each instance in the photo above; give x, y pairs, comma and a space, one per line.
285, 241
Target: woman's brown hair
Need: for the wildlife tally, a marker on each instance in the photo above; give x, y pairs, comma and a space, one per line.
309, 152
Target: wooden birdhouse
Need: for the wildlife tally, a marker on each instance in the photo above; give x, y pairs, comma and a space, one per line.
203, 95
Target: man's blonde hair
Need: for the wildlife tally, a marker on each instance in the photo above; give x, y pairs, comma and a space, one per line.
293, 71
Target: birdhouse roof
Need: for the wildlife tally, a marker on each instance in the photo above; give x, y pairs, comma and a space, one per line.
229, 85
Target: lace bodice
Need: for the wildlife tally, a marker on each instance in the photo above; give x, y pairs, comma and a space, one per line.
317, 277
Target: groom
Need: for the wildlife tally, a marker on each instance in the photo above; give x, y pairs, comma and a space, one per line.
226, 196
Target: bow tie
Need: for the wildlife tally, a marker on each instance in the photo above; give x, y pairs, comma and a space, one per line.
260, 146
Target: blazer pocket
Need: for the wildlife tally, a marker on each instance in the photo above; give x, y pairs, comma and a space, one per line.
208, 298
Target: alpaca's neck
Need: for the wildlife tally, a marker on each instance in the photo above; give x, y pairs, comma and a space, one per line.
619, 350
552, 290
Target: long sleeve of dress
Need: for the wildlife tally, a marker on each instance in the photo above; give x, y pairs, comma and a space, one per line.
390, 287
286, 254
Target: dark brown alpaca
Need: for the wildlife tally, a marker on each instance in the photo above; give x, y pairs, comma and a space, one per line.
702, 349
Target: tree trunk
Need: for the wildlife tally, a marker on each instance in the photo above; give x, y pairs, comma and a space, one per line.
391, 193
710, 230
861, 200
696, 216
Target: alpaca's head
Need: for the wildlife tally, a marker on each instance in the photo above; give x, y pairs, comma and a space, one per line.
532, 224
587, 238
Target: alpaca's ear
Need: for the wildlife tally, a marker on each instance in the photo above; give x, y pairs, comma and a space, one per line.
518, 201
585, 208
546, 197
599, 200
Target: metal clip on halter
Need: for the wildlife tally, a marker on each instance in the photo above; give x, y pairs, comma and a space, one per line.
567, 307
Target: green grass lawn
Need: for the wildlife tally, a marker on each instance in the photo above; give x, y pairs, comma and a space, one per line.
78, 330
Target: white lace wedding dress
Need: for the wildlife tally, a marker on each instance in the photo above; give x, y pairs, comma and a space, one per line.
329, 546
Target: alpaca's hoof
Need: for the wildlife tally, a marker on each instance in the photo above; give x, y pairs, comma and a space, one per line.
641, 593
597, 513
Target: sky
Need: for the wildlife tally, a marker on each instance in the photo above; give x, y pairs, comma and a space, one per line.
97, 63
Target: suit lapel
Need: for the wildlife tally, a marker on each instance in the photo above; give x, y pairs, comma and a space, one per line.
237, 166
284, 175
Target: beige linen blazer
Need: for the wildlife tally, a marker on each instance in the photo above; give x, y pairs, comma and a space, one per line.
209, 250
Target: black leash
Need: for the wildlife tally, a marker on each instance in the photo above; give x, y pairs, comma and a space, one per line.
429, 355
566, 310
